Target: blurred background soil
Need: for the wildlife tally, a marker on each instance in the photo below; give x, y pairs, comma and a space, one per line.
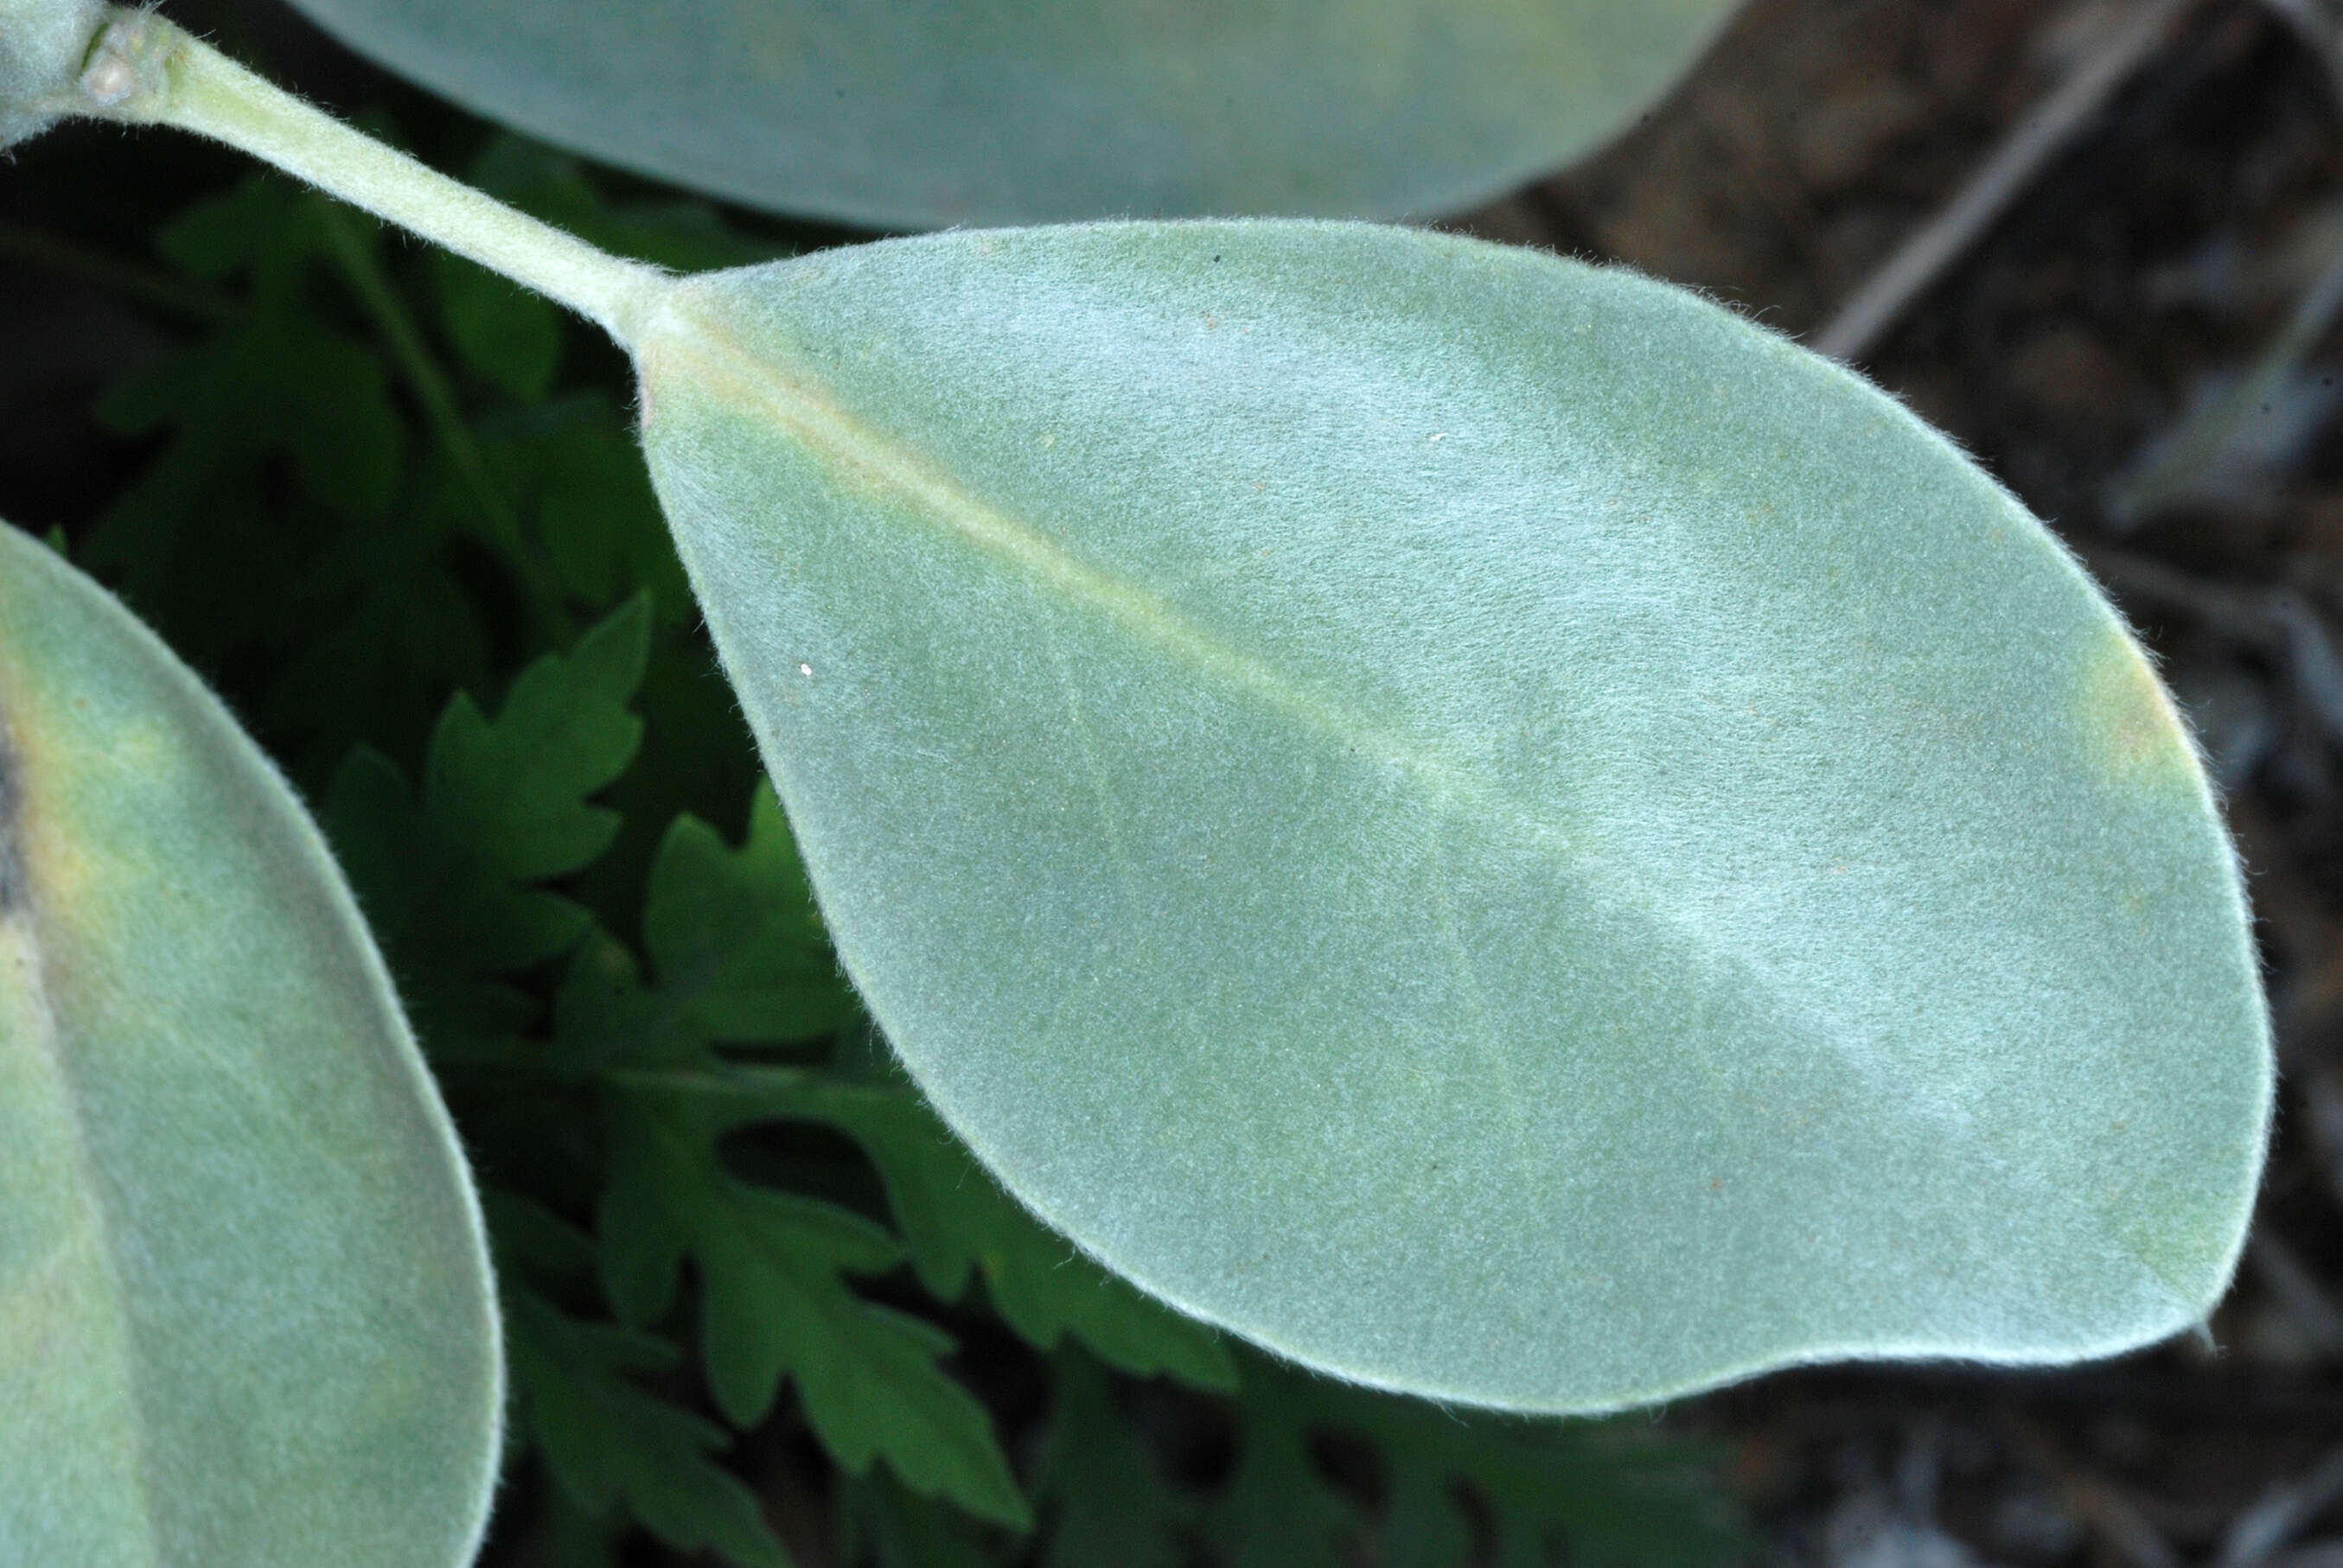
2143, 347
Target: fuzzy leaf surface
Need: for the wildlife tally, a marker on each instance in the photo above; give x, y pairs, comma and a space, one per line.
1483, 823
244, 1308
919, 113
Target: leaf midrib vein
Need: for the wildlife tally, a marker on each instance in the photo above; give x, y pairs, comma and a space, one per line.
19, 930
718, 366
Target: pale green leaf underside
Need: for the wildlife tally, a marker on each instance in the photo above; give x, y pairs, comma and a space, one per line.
1483, 823
244, 1311
916, 114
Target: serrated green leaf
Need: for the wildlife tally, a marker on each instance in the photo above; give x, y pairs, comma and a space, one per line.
903, 1530
451, 875
266, 227
1278, 1511
916, 113
1567, 1491
569, 1537
1108, 1502
538, 1247
574, 466
517, 788
609, 1443
278, 381
775, 1301
246, 1309
735, 938
337, 588
1481, 822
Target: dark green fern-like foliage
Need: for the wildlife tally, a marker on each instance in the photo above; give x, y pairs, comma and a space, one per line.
754, 1290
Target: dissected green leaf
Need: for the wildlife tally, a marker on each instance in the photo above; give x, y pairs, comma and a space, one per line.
736, 939
515, 787
341, 527
574, 464
1483, 823
287, 525
279, 381
244, 1309
740, 957
775, 1301
1278, 1511
913, 114
615, 1449
1108, 1501
450, 877
901, 1529
1548, 1491
608, 1442
569, 1537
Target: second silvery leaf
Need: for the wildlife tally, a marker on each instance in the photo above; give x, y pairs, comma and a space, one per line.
1483, 823
246, 1314
920, 113
1477, 821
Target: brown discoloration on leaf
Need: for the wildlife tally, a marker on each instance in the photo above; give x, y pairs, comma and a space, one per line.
2134, 732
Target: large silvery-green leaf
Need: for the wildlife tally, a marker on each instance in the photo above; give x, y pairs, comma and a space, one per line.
916, 114
245, 1314
1485, 824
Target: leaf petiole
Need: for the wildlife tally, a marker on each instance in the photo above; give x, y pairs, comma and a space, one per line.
143, 70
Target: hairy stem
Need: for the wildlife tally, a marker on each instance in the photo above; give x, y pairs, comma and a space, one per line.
143, 70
